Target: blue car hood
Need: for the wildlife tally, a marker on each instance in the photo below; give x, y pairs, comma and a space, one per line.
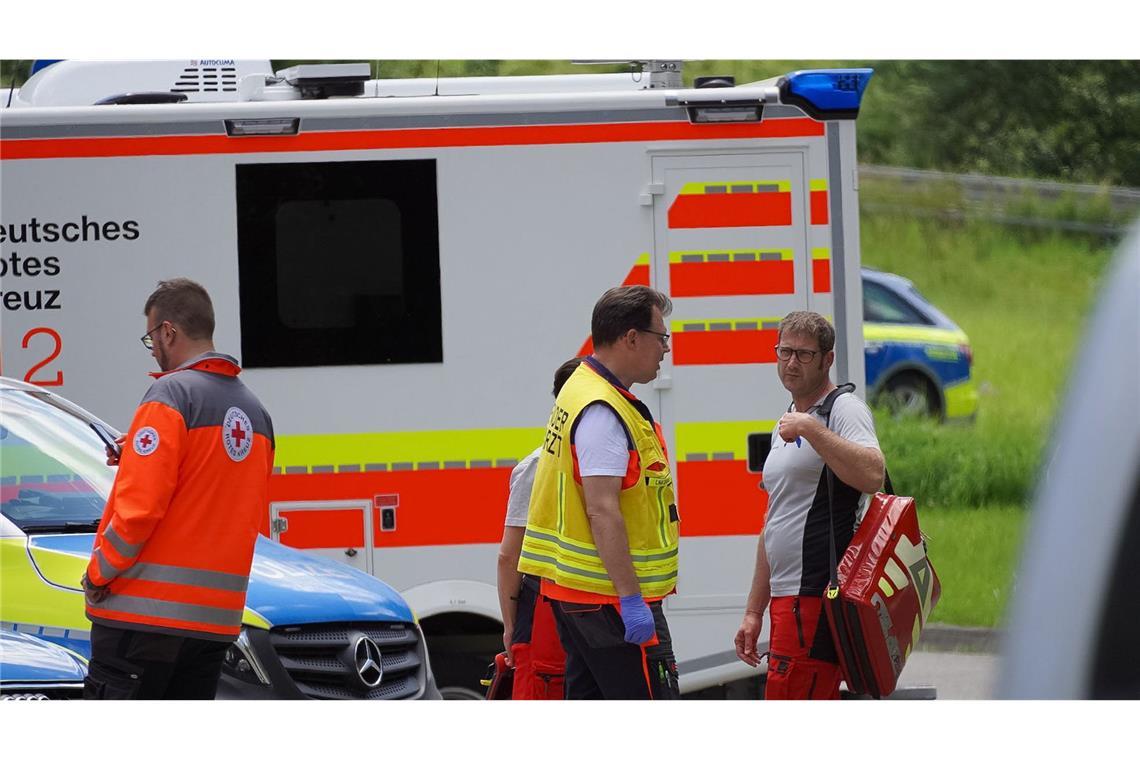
25, 659
286, 587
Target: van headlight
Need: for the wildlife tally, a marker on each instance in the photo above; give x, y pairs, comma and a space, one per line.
241, 662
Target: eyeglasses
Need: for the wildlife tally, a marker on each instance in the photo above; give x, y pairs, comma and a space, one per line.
148, 341
803, 355
663, 336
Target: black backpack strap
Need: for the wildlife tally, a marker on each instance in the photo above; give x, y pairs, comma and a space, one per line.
824, 409
825, 412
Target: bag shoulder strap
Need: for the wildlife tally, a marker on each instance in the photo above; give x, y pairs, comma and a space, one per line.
824, 409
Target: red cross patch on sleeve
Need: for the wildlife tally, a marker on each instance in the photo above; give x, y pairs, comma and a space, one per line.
146, 441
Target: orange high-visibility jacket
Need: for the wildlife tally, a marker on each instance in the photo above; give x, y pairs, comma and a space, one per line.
176, 539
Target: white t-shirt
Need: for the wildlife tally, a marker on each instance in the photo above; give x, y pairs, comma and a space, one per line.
601, 443
795, 533
522, 483
602, 450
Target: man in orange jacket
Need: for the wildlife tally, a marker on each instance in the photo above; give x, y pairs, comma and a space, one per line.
166, 584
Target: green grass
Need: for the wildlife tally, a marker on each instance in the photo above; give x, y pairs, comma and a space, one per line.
1022, 297
975, 553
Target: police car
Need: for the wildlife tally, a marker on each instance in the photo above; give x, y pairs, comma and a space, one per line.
311, 627
918, 361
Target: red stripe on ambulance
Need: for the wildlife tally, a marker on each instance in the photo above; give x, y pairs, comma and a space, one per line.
735, 278
691, 211
720, 499
724, 347
451, 137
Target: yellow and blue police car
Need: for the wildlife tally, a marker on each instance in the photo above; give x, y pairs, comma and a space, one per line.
918, 361
306, 618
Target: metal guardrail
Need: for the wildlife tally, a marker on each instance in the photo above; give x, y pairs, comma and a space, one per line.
985, 197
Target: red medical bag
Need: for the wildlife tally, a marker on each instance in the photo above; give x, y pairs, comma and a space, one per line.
886, 590
500, 678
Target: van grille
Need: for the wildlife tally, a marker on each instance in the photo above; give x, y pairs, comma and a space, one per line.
40, 692
206, 79
320, 659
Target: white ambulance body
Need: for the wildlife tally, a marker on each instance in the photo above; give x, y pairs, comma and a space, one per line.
400, 272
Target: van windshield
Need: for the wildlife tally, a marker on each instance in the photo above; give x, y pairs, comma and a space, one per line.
53, 470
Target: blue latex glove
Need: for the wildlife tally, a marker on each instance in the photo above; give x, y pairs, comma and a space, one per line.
638, 619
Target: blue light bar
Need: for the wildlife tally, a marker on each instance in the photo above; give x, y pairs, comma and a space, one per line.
826, 93
42, 64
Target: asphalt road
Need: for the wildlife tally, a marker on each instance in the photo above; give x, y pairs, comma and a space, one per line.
954, 675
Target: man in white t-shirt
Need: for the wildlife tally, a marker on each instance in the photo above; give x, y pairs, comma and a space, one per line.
793, 558
529, 637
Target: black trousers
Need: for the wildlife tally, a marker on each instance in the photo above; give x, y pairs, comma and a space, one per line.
601, 665
142, 665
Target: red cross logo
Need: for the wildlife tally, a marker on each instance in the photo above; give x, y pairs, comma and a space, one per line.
237, 433
146, 441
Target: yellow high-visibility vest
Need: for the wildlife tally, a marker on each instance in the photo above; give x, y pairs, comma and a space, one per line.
558, 544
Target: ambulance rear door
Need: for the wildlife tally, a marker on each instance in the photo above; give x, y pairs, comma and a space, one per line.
732, 249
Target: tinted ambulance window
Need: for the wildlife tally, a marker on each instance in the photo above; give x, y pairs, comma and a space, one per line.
339, 263
881, 305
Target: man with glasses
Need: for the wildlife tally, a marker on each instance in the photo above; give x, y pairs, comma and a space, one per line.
165, 587
793, 556
602, 527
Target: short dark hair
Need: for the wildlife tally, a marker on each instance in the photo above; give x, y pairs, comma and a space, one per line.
184, 303
563, 373
811, 324
620, 310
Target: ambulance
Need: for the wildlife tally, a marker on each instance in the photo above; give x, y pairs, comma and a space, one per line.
400, 266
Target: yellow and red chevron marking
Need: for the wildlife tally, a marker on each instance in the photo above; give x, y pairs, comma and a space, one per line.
717, 493
821, 270
819, 211
751, 341
731, 272
638, 275
732, 204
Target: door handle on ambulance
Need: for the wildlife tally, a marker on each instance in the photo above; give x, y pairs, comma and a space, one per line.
664, 381
350, 552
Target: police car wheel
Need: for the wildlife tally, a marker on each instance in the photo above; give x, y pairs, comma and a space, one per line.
909, 395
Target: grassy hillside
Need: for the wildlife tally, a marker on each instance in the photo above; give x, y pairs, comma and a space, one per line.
1022, 297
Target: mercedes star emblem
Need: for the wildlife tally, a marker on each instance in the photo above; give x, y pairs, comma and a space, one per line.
369, 664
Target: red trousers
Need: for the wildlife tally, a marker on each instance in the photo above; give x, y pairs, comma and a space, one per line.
799, 637
540, 663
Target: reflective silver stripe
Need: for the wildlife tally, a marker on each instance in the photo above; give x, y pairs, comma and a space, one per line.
651, 557
656, 578
212, 579
635, 555
190, 613
561, 544
570, 570
106, 569
565, 568
124, 548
